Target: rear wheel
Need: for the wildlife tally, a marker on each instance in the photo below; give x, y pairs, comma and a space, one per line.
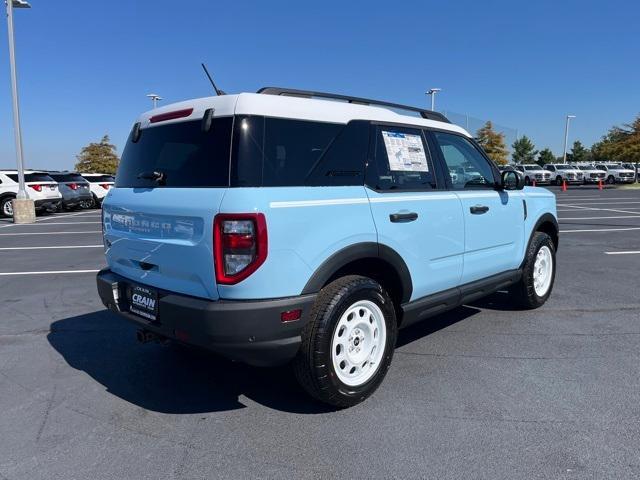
6, 207
348, 344
538, 273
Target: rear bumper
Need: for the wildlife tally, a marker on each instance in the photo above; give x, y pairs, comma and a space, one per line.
249, 331
47, 204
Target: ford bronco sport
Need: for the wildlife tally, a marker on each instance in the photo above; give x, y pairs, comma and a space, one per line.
300, 226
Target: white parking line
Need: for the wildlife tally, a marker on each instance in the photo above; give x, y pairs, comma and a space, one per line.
57, 223
598, 218
53, 272
623, 253
48, 233
601, 230
56, 247
598, 209
598, 203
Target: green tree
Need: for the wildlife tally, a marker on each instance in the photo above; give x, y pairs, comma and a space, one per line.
493, 143
98, 158
546, 156
620, 144
524, 151
578, 153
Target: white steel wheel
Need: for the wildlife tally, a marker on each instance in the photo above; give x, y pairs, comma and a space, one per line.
542, 271
358, 343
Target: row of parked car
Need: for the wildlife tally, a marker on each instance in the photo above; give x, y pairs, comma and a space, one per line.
54, 191
577, 173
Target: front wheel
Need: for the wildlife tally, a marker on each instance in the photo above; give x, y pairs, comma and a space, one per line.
538, 273
347, 346
559, 181
611, 180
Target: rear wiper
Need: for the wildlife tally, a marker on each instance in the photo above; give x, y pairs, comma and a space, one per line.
158, 177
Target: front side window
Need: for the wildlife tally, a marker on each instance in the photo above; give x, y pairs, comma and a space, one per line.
471, 169
401, 160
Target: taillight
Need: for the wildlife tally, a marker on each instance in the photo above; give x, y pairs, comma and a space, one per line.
73, 186
37, 188
240, 245
105, 186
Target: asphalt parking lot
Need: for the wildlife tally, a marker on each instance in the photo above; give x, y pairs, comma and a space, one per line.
480, 392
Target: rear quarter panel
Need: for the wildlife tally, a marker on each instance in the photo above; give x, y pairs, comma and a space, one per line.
305, 226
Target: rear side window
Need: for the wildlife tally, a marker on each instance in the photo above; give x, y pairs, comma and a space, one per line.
402, 160
276, 152
186, 155
31, 177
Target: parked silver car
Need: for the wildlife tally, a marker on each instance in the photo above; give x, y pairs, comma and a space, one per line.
74, 189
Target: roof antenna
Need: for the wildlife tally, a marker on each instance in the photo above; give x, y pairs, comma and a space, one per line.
217, 90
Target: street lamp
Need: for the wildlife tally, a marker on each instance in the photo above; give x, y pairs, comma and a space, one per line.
566, 137
154, 99
432, 92
23, 209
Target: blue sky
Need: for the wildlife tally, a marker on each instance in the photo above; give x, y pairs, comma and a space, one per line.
85, 67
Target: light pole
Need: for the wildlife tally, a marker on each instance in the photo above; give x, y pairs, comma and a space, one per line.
566, 137
23, 209
154, 99
432, 92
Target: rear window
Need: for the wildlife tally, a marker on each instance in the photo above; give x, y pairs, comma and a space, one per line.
67, 177
32, 177
183, 152
99, 178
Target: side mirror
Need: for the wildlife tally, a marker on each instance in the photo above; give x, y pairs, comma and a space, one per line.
511, 180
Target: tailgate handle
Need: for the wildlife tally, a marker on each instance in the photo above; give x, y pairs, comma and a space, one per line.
479, 209
403, 217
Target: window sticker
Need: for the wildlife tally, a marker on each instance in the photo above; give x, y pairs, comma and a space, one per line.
405, 152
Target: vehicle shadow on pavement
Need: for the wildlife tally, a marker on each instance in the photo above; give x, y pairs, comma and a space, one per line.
433, 324
170, 379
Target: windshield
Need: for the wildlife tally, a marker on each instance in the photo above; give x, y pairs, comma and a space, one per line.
531, 167
185, 154
564, 166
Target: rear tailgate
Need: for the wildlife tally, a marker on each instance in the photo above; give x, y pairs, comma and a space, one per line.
158, 219
163, 237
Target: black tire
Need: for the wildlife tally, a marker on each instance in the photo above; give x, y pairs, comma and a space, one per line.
313, 366
3, 203
523, 293
559, 181
527, 181
611, 180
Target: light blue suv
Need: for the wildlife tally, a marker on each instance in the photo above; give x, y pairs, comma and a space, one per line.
301, 226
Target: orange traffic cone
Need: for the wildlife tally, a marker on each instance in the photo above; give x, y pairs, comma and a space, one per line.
564, 185
599, 184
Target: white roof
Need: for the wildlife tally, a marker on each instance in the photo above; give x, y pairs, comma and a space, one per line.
292, 107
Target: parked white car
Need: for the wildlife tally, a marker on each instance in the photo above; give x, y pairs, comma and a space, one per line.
533, 172
40, 187
616, 173
591, 173
99, 183
564, 172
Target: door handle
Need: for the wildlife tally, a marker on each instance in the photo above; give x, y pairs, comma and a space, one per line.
403, 217
478, 209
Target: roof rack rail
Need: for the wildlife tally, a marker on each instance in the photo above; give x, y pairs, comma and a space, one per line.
291, 92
